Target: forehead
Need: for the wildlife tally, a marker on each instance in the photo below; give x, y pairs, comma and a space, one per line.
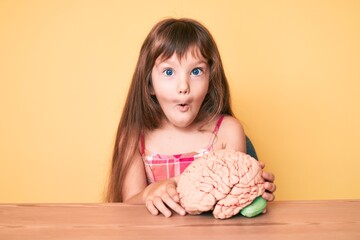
192, 51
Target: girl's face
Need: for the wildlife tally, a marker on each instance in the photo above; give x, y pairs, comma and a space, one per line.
180, 86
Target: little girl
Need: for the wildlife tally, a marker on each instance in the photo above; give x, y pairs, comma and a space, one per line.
177, 110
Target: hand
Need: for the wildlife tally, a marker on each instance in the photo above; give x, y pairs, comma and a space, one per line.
270, 186
161, 197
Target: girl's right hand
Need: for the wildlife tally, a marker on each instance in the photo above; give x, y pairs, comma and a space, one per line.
162, 197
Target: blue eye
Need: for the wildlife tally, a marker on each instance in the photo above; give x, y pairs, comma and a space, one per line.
168, 72
196, 71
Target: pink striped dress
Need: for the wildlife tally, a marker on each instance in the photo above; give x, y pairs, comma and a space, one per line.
159, 167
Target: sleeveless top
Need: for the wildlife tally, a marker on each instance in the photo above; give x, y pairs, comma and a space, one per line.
159, 167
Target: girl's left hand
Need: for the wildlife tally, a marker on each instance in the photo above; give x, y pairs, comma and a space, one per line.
270, 186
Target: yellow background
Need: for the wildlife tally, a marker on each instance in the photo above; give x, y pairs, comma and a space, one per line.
65, 66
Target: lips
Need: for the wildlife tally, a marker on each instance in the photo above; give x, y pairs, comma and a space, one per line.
183, 107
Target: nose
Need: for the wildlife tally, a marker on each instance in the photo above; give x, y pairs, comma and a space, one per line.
183, 85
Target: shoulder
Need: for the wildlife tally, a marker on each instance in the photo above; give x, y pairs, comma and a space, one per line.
231, 122
231, 134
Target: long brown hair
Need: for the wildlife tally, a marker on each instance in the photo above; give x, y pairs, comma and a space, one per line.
142, 112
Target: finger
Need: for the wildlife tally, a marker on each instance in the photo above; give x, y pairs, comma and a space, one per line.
171, 190
160, 205
172, 204
270, 187
262, 164
269, 177
268, 196
151, 208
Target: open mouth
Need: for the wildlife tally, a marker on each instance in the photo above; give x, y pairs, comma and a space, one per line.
183, 107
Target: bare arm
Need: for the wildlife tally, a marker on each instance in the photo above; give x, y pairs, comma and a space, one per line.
231, 135
135, 182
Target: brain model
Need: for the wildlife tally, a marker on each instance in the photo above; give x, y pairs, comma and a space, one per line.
223, 181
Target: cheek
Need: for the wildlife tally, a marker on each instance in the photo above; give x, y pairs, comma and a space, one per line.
155, 85
160, 92
201, 94
204, 90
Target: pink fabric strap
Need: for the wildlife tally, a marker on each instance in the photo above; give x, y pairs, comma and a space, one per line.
217, 127
216, 130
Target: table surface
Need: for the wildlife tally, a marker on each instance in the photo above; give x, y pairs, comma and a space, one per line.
336, 219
